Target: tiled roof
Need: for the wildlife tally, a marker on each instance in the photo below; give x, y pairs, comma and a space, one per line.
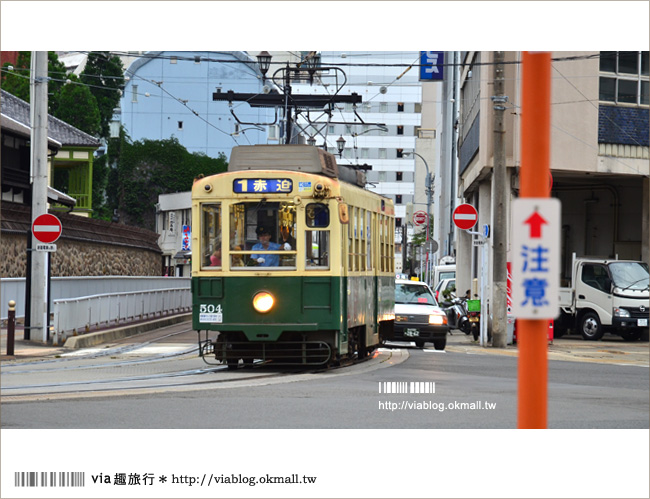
623, 125
18, 110
16, 219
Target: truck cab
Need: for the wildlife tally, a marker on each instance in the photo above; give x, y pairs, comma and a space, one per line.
606, 296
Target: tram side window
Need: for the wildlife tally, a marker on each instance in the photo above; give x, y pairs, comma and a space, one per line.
369, 265
317, 242
211, 235
259, 230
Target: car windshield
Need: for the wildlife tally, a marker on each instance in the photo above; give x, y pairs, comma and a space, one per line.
629, 275
414, 293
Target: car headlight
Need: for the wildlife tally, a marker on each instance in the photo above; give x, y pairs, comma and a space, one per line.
437, 319
263, 302
621, 312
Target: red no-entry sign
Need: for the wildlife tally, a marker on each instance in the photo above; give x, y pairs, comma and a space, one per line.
419, 218
46, 228
465, 216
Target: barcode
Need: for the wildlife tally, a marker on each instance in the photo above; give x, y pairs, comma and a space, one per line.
49, 479
407, 387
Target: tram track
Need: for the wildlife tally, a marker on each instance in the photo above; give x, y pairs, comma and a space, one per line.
188, 379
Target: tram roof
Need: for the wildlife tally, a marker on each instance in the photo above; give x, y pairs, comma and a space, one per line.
297, 158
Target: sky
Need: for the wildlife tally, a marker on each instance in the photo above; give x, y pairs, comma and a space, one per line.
376, 25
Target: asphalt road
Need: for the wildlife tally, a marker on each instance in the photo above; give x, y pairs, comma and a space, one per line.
474, 388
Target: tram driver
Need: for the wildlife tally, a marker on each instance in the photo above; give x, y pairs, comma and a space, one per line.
265, 244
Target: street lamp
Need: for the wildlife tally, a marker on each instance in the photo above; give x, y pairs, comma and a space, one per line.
427, 186
264, 61
340, 145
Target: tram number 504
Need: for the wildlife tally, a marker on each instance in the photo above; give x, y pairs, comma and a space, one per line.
210, 313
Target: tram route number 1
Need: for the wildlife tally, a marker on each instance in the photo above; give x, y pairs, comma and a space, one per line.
210, 313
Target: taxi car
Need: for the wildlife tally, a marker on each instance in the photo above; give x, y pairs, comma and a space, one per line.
418, 317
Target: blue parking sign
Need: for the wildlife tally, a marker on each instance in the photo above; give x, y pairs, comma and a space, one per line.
431, 65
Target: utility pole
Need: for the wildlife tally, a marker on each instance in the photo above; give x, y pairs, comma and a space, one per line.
499, 239
39, 321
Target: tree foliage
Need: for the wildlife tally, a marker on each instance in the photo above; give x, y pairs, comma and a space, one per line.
104, 75
77, 106
421, 237
145, 169
16, 81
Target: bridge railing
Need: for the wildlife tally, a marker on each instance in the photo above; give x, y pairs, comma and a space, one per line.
73, 316
73, 287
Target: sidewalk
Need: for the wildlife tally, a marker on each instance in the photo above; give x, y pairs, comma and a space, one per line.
28, 349
610, 350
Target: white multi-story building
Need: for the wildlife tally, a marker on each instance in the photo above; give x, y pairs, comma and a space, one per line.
384, 128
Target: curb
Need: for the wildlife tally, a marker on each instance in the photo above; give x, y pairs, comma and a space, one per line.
93, 339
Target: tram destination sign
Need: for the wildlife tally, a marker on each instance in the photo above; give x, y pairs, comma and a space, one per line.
262, 185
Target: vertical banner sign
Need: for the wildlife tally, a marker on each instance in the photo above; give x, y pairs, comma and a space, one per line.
172, 223
431, 65
536, 258
187, 236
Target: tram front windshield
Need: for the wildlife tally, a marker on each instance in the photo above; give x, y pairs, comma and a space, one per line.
263, 234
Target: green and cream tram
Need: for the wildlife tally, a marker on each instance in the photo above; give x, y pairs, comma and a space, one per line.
291, 263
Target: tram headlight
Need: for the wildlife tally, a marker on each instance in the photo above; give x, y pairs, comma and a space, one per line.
263, 301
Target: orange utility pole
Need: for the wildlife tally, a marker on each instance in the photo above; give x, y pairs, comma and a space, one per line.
534, 174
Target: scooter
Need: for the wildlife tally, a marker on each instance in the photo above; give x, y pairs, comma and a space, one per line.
456, 310
474, 321
474, 317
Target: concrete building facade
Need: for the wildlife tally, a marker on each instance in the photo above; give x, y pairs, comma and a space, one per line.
599, 152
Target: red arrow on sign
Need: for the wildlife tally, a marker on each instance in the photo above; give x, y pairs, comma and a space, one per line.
535, 221
46, 228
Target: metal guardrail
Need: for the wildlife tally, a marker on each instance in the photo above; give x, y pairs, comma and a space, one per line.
73, 316
72, 287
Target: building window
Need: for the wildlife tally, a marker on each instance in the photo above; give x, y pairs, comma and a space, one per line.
273, 132
330, 129
400, 129
400, 107
134, 93
382, 153
173, 60
398, 199
398, 176
400, 153
382, 176
624, 77
417, 107
180, 125
197, 59
364, 153
383, 107
398, 222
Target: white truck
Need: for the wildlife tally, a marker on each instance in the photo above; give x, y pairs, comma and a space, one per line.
605, 296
